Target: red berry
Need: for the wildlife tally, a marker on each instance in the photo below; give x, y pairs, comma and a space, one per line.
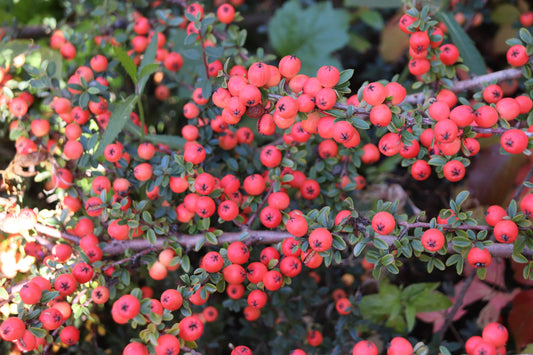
433, 240
383, 223
191, 328
314, 338
320, 239
365, 347
505, 231
517, 55
400, 346
496, 334
479, 258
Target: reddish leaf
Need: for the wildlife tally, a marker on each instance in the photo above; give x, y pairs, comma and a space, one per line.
491, 312
491, 176
496, 273
521, 318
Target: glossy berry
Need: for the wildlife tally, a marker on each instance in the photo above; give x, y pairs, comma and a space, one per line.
69, 335
270, 156
270, 253
167, 344
494, 214
496, 334
400, 346
257, 299
508, 108
314, 338
420, 170
328, 76
289, 66
492, 93
191, 328
419, 66
171, 299
226, 13
51, 318
484, 348
320, 239
238, 253
454, 170
374, 93
100, 295
273, 280
383, 223
343, 306
486, 116
449, 54
479, 258
517, 55
30, 293
505, 231
270, 217
241, 350
365, 347
526, 205
290, 266
514, 141
433, 240
12, 329
445, 131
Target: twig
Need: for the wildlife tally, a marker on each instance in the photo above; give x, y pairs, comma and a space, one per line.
521, 187
268, 237
457, 304
476, 82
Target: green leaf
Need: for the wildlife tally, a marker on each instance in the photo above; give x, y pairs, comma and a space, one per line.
461, 197
381, 4
373, 19
379, 243
174, 142
431, 302
311, 33
410, 317
471, 56
127, 63
148, 70
38, 332
147, 66
186, 263
47, 296
345, 75
119, 116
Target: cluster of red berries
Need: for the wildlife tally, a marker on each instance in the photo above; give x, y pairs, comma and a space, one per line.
491, 342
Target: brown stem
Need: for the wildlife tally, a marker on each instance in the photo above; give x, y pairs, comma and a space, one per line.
54, 233
268, 237
521, 187
474, 83
457, 304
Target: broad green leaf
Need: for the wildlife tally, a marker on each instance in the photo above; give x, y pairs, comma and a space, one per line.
467, 49
431, 302
382, 4
373, 19
147, 66
173, 142
311, 33
410, 317
127, 63
119, 116
418, 288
